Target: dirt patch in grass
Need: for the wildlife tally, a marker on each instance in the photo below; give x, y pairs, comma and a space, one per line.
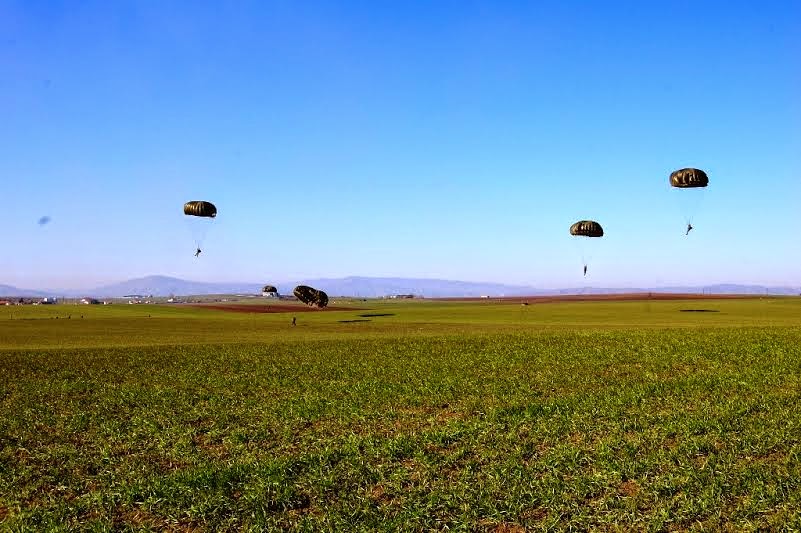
508, 527
139, 518
770, 457
628, 488
380, 496
217, 450
535, 514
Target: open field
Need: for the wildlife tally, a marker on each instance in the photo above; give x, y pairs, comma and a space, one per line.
273, 308
621, 415
611, 297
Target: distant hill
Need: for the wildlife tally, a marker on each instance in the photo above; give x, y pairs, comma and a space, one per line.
166, 286
8, 290
369, 287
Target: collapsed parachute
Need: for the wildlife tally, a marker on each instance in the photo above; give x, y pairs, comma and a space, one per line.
586, 228
199, 208
269, 288
688, 178
311, 297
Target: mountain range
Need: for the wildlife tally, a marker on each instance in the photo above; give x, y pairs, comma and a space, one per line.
369, 287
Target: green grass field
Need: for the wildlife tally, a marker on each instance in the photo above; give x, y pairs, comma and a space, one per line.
423, 416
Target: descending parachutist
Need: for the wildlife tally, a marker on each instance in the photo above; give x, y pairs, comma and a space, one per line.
586, 229
202, 210
689, 179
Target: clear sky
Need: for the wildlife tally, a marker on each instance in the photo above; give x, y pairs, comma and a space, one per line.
443, 139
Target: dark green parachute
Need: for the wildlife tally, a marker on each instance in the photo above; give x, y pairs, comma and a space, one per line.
269, 288
688, 178
586, 228
310, 296
199, 208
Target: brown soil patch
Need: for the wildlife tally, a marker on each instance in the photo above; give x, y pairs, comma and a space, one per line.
272, 308
628, 488
507, 527
622, 297
536, 514
379, 495
217, 450
138, 517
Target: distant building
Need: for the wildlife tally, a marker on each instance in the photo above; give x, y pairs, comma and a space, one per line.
89, 301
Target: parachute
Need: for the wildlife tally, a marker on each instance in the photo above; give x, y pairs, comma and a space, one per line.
199, 215
269, 288
199, 208
586, 229
689, 178
691, 183
311, 297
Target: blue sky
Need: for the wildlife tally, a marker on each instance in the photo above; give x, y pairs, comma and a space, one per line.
423, 139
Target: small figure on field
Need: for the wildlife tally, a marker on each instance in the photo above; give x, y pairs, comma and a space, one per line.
197, 252
294, 319
689, 228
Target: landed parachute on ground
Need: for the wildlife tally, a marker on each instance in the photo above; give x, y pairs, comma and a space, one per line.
199, 208
269, 288
310, 296
586, 228
688, 178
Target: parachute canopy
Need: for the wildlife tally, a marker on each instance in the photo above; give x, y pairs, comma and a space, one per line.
587, 228
688, 178
198, 208
269, 288
311, 296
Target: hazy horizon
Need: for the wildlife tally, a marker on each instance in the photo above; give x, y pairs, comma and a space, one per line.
428, 284
444, 141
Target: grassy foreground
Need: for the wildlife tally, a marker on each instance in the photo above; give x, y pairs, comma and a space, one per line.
430, 416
